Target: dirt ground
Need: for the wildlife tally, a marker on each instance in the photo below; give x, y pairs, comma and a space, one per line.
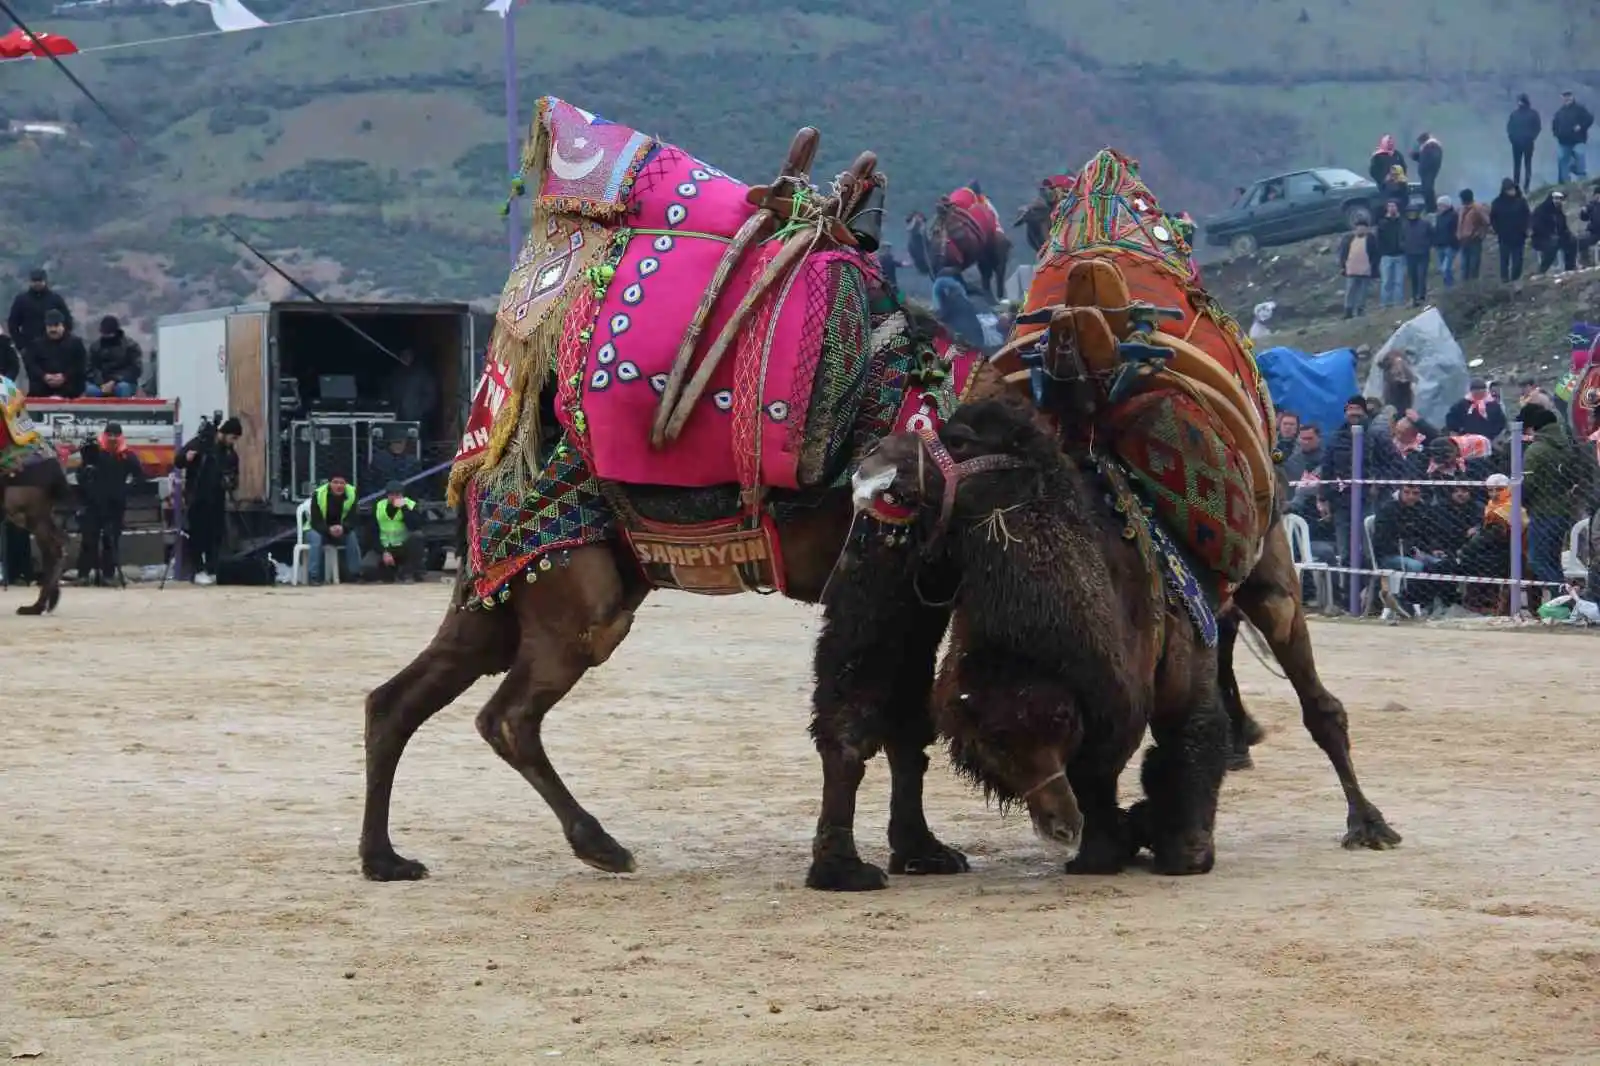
180, 795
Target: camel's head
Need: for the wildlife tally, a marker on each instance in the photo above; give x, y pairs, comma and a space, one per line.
988, 454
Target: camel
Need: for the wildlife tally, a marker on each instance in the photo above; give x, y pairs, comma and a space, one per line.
880, 637
1064, 643
32, 483
961, 234
1035, 216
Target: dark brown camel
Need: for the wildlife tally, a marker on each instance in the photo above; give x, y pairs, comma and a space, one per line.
951, 239
1063, 645
31, 496
876, 657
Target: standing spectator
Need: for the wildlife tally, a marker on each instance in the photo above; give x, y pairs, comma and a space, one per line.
1391, 257
1358, 262
1509, 217
1338, 466
1547, 489
1589, 214
1477, 412
1552, 235
1446, 224
1522, 129
107, 467
10, 359
56, 362
1384, 159
1417, 241
211, 471
1471, 229
1396, 189
28, 310
1429, 155
115, 362
1570, 124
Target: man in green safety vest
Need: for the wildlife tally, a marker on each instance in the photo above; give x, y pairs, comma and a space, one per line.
332, 523
397, 534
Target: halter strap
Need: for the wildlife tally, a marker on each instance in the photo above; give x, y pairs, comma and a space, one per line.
952, 472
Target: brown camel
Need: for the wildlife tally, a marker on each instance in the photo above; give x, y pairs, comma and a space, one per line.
1064, 643
33, 483
952, 239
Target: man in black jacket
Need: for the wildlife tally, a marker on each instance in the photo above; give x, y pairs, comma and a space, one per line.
1552, 235
1476, 412
1522, 130
1338, 464
103, 477
1570, 124
1509, 216
10, 359
211, 471
1429, 155
57, 362
115, 362
1589, 215
28, 310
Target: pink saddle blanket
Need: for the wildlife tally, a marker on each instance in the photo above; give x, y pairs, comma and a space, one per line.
750, 424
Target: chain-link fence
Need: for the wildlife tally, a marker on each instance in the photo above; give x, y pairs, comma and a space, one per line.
1450, 537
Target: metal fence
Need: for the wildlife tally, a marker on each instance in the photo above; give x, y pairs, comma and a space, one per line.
1375, 545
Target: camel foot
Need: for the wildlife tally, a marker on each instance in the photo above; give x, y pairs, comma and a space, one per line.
1102, 857
33, 608
1253, 733
1185, 857
936, 858
1137, 831
1367, 829
1240, 760
392, 867
595, 847
839, 874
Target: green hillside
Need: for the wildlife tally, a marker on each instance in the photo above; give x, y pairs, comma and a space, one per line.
369, 151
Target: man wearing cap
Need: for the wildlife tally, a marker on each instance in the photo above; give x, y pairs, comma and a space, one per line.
115, 362
1570, 124
107, 467
397, 534
57, 363
332, 523
1476, 412
26, 321
211, 470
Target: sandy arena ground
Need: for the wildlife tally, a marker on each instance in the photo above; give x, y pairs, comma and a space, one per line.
180, 794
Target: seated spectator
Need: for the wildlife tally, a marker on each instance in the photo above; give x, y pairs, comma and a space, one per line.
1456, 516
115, 362
332, 524
1407, 460
1401, 530
1302, 467
954, 309
396, 536
108, 466
56, 362
1288, 433
1477, 412
1447, 463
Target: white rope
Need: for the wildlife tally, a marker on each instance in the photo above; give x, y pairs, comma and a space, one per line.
94, 49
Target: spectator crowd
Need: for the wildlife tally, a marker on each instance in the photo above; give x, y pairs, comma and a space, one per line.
1417, 230
40, 347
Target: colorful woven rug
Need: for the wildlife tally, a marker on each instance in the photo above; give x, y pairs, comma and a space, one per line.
511, 527
1199, 488
787, 392
591, 162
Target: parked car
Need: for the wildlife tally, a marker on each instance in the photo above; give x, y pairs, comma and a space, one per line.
1295, 206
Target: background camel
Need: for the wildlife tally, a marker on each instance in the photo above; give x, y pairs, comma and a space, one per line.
32, 483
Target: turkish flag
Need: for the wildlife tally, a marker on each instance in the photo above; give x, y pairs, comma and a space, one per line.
16, 45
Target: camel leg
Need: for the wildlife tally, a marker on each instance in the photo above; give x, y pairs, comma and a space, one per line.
52, 557
1244, 731
1104, 849
1270, 598
874, 665
571, 619
469, 645
1182, 777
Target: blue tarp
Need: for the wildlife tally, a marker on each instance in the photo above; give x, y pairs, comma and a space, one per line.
1314, 387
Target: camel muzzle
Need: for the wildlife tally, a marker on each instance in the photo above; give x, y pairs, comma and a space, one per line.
866, 485
1054, 810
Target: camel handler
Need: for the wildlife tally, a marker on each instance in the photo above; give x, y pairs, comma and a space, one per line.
397, 536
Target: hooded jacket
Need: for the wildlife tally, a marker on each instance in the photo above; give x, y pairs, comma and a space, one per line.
114, 359
1509, 216
1524, 125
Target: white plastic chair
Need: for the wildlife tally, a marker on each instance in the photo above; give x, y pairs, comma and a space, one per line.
1395, 580
1572, 564
1299, 532
300, 562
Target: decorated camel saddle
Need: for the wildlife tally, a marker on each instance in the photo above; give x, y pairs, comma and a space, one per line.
1122, 340
21, 445
963, 221
713, 350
